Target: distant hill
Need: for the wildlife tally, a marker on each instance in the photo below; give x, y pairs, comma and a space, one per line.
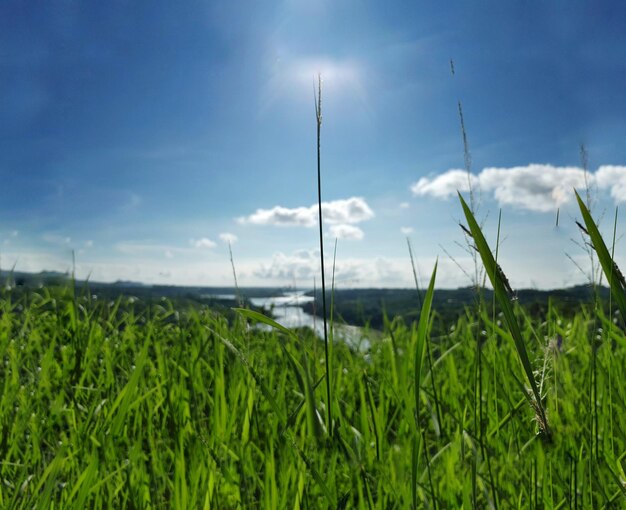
138, 289
353, 306
369, 306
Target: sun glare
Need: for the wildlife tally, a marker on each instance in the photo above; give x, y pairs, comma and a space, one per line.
337, 74
289, 76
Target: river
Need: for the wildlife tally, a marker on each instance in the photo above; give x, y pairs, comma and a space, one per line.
287, 311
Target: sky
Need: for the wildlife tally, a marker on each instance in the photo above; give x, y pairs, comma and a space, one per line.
148, 136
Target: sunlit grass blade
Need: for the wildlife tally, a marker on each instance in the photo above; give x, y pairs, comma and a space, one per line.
420, 350
501, 291
422, 332
259, 317
416, 451
609, 267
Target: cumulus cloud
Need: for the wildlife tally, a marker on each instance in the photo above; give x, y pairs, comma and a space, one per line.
351, 210
227, 237
540, 188
346, 232
304, 266
204, 242
534, 187
444, 185
282, 216
338, 212
613, 178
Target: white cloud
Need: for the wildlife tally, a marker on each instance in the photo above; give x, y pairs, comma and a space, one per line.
444, 185
613, 178
404, 205
540, 188
535, 187
282, 216
227, 237
205, 242
304, 267
346, 232
89, 243
406, 230
347, 211
351, 210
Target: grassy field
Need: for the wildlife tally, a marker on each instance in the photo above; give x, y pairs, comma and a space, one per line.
176, 407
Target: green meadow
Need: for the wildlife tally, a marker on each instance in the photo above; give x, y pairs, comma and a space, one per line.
109, 404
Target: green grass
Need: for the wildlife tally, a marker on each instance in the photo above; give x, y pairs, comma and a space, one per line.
105, 406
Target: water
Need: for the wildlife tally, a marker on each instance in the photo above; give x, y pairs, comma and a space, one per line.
287, 311
223, 297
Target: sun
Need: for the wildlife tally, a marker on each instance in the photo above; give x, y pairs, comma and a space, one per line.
295, 77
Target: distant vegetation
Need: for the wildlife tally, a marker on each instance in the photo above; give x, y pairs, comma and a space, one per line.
359, 307
371, 306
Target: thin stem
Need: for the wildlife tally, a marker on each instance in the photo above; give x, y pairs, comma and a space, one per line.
232, 263
417, 284
318, 114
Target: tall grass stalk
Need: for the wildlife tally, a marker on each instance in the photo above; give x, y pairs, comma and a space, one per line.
318, 116
331, 329
232, 263
415, 279
467, 165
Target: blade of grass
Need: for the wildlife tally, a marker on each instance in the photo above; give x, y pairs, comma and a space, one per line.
420, 350
259, 317
609, 267
416, 450
501, 291
422, 332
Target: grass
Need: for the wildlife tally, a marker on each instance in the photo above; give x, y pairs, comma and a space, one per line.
178, 408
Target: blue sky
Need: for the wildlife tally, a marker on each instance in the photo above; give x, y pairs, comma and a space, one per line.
146, 135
